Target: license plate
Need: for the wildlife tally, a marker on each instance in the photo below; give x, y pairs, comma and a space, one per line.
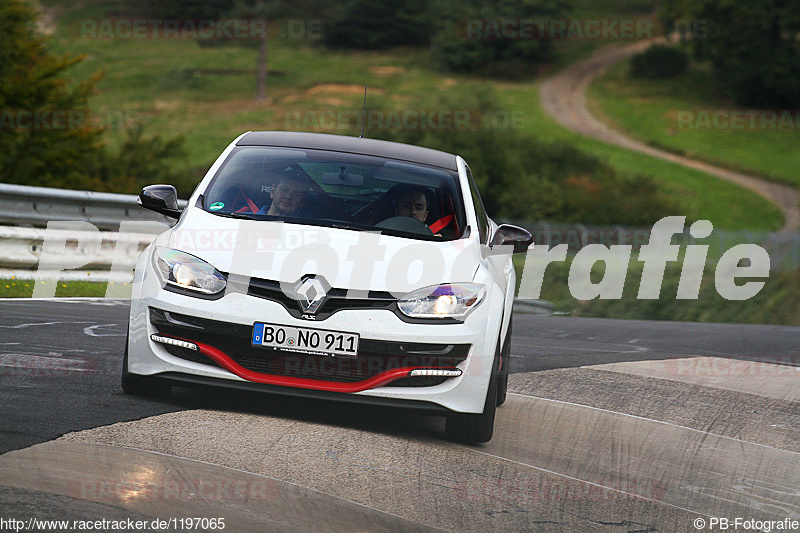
320, 341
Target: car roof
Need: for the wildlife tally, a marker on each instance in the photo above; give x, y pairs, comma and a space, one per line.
353, 145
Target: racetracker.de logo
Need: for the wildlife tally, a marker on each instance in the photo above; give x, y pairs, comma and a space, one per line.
220, 29
739, 119
401, 119
518, 29
211, 489
529, 490
65, 119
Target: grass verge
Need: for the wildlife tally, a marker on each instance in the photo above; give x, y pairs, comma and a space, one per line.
698, 195
778, 302
675, 114
23, 288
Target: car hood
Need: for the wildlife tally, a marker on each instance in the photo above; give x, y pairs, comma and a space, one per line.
347, 259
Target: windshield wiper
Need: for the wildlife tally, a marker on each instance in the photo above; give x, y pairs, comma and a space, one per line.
342, 224
243, 216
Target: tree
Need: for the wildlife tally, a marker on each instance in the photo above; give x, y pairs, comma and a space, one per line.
262, 14
754, 47
371, 24
46, 135
459, 48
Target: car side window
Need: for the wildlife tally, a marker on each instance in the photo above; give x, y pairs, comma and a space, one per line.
480, 211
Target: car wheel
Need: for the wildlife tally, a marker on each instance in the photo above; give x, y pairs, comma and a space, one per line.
476, 428
502, 378
141, 385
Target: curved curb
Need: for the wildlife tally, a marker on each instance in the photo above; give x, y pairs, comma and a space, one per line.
563, 97
149, 485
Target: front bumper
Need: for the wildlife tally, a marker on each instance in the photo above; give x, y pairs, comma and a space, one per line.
225, 326
378, 363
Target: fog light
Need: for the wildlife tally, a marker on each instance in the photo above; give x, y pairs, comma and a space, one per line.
442, 372
173, 342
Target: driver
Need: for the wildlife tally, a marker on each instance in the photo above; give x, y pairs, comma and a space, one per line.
411, 202
288, 195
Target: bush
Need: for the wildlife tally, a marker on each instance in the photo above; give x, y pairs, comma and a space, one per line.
659, 62
524, 178
142, 159
371, 25
752, 46
61, 153
456, 48
776, 303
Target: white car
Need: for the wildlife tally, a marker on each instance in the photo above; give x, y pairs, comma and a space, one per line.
331, 267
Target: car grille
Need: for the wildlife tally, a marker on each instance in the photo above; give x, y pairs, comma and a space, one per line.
336, 299
373, 356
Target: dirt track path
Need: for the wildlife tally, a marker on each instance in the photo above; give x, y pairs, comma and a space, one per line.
563, 96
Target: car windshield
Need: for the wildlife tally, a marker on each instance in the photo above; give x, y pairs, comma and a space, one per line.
335, 189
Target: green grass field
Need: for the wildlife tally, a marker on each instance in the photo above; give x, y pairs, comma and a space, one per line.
171, 86
178, 88
699, 195
651, 111
778, 302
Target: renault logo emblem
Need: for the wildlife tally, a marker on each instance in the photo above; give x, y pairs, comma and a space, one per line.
310, 294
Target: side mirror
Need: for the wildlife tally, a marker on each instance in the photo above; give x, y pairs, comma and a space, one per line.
515, 236
161, 199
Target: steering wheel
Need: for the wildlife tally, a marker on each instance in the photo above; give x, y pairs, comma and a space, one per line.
407, 224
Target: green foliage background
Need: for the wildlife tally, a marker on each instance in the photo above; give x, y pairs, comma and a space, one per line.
56, 153
753, 46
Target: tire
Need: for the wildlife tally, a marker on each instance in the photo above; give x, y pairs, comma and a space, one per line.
476, 428
502, 378
136, 385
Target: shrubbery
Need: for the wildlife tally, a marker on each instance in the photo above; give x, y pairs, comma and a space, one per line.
52, 152
659, 62
521, 177
373, 25
752, 46
368, 24
776, 303
468, 39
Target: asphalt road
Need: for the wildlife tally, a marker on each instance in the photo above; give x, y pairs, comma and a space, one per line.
612, 425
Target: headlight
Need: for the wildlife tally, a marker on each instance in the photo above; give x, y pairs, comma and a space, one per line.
443, 301
185, 270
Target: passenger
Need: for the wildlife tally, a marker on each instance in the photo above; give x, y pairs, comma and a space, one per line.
411, 202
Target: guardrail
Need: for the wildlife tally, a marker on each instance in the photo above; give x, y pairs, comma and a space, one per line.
23, 247
23, 205
783, 248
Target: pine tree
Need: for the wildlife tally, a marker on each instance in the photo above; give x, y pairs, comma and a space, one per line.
46, 133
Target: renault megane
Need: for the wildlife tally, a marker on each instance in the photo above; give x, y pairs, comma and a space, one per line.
332, 267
